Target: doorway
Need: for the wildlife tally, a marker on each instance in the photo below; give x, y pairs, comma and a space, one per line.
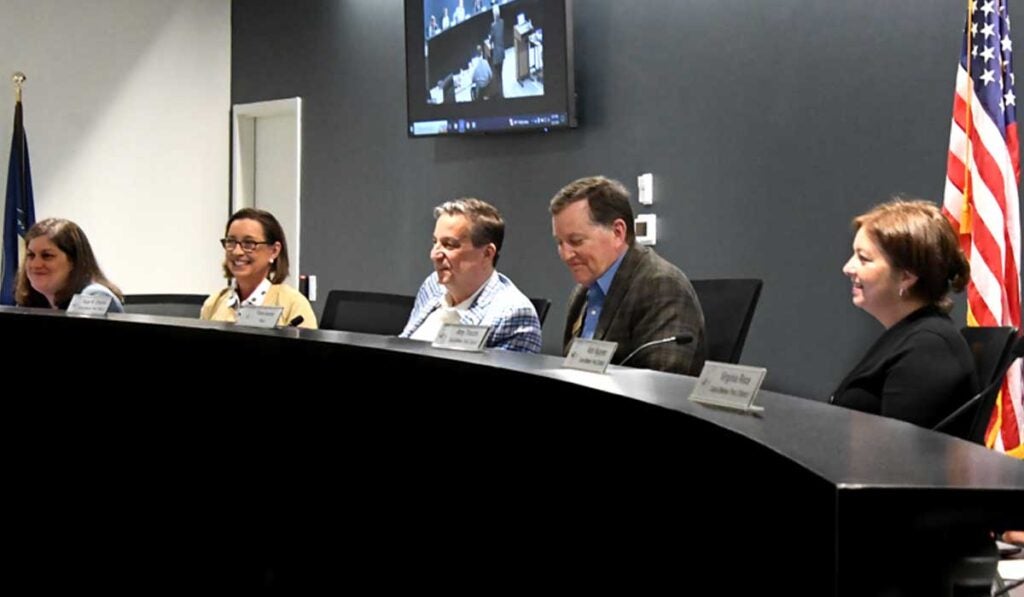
266, 166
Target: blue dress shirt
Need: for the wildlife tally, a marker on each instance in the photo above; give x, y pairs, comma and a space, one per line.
595, 299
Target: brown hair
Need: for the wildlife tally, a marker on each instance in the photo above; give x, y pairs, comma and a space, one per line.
71, 240
916, 237
273, 232
485, 222
607, 199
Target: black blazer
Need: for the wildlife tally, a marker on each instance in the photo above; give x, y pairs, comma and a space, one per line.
920, 370
498, 39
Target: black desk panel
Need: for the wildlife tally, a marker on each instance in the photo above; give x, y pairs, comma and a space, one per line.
148, 452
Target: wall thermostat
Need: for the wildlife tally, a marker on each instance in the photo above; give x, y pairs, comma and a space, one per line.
646, 229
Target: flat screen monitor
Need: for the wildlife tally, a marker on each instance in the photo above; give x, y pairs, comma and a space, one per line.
477, 66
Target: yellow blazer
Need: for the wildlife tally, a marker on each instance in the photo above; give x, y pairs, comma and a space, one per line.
216, 307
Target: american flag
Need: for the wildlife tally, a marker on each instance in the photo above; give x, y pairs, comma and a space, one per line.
981, 198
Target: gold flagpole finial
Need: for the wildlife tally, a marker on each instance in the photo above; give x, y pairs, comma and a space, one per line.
18, 79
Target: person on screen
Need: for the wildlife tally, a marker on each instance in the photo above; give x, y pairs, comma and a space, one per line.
460, 13
497, 43
479, 6
433, 29
481, 75
625, 293
445, 21
905, 262
58, 264
465, 286
256, 266
447, 86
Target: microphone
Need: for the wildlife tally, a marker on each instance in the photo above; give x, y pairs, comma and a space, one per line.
680, 340
296, 321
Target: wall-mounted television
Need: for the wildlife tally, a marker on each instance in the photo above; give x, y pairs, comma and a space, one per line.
488, 66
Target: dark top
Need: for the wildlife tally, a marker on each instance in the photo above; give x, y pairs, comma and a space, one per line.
920, 370
498, 39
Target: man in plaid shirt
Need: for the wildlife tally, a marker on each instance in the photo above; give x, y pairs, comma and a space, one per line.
465, 286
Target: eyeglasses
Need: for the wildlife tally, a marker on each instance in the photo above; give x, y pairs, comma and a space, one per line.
248, 246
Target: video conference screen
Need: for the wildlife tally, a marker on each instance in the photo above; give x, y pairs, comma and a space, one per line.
477, 66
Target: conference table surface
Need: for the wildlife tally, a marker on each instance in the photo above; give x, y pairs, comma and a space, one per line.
864, 450
512, 427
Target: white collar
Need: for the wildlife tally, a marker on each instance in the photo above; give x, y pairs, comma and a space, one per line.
254, 300
466, 304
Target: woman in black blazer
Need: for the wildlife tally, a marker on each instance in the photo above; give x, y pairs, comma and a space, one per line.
905, 262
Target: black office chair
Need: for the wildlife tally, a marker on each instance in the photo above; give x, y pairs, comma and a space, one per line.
174, 305
728, 306
991, 347
447, 85
542, 306
994, 348
366, 312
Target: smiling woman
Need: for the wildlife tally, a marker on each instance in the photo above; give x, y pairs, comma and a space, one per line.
905, 262
256, 265
59, 263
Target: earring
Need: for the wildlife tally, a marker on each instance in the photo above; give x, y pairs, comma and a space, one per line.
272, 263
901, 293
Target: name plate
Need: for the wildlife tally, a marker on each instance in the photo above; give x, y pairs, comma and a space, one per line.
89, 304
259, 317
729, 386
590, 355
457, 336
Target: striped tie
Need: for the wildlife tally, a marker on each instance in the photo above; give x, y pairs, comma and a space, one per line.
577, 326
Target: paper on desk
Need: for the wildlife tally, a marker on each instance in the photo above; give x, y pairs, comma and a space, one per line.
1011, 569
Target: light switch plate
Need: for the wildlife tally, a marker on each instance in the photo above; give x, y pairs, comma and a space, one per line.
645, 188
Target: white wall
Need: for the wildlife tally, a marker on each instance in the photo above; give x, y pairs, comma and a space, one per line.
127, 110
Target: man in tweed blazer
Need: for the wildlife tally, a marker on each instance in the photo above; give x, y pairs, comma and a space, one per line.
625, 292
465, 286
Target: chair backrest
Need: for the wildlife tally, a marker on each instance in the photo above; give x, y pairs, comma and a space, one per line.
366, 312
174, 305
994, 348
541, 305
987, 402
991, 347
728, 306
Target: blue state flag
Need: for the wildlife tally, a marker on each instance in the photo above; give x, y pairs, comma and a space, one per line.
19, 209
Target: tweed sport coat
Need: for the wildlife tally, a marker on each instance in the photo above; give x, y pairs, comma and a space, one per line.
649, 299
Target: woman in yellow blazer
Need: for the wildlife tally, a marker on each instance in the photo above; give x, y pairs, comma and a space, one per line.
256, 265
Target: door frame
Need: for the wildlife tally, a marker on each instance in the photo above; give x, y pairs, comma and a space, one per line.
243, 126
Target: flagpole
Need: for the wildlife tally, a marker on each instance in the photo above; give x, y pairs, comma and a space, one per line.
18, 79
965, 210
19, 209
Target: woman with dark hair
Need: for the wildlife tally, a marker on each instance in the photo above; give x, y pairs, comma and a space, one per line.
256, 265
59, 263
905, 262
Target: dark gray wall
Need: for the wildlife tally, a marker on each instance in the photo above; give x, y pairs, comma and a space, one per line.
767, 126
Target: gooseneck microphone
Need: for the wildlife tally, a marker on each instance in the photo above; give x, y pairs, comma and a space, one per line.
680, 340
296, 321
